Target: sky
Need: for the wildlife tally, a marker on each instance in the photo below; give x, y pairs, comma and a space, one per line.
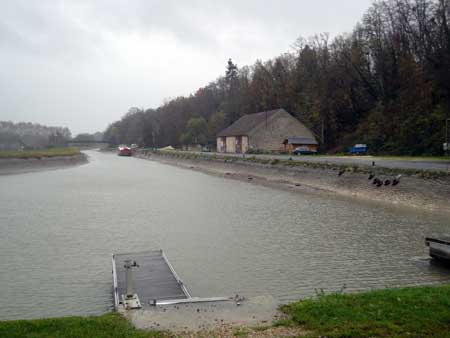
82, 64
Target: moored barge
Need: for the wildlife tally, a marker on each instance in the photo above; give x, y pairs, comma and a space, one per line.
439, 247
123, 151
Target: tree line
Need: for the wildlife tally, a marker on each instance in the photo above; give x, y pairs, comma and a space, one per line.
26, 135
386, 84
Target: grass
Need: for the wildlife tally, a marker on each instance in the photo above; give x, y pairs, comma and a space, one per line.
111, 325
240, 332
52, 152
411, 312
390, 157
395, 313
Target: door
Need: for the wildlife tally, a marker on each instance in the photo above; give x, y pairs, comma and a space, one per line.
238, 144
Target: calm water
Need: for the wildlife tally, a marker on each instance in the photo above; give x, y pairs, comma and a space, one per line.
58, 230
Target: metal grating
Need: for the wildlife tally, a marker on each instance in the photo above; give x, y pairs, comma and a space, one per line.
154, 279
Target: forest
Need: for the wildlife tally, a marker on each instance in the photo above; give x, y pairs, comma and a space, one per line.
386, 84
27, 135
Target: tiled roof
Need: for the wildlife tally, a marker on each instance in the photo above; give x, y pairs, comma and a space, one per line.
247, 123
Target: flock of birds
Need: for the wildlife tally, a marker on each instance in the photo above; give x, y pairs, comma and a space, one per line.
377, 181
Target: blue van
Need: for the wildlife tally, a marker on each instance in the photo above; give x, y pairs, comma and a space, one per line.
359, 149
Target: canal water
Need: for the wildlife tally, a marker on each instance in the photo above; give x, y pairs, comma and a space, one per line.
58, 229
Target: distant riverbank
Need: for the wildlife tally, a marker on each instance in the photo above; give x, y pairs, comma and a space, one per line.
420, 190
22, 162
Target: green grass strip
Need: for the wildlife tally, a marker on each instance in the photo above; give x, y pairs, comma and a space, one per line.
411, 312
52, 152
111, 325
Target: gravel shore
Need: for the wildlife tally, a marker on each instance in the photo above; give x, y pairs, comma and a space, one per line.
432, 193
251, 318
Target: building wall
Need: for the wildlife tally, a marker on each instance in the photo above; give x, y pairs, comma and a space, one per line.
244, 144
221, 145
192, 147
270, 135
230, 144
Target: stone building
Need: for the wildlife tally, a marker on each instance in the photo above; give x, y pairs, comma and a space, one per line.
266, 131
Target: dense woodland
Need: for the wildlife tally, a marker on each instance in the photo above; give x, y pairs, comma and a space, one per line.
386, 84
26, 135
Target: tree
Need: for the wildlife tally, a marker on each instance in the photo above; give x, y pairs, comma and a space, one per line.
386, 83
230, 105
196, 132
215, 125
84, 137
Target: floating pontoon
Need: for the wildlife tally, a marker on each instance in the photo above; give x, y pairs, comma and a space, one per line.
439, 247
143, 279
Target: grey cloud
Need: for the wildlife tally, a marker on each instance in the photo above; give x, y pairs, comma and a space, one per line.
84, 62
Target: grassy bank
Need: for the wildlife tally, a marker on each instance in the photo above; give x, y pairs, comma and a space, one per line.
388, 157
411, 312
53, 152
106, 326
428, 174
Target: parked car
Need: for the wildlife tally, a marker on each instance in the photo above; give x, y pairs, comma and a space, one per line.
304, 150
359, 149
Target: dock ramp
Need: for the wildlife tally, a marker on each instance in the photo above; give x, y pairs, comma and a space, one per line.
153, 282
154, 279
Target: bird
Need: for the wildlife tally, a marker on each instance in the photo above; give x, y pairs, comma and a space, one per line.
387, 182
396, 180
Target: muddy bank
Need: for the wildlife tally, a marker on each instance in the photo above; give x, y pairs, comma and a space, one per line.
251, 318
414, 191
194, 317
12, 166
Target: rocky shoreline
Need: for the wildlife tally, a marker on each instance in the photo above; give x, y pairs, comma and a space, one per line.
11, 166
430, 193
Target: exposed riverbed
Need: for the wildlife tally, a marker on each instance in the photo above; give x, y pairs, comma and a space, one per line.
58, 229
12, 166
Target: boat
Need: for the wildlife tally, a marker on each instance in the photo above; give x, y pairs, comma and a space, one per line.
124, 150
439, 247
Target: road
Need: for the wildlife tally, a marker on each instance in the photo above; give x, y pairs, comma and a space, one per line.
396, 163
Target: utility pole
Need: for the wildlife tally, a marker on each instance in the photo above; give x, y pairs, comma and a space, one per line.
447, 136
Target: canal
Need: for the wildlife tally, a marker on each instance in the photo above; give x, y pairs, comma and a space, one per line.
58, 229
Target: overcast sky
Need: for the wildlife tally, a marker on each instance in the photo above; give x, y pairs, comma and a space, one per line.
83, 63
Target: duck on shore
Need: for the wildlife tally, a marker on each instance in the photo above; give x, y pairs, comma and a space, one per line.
396, 180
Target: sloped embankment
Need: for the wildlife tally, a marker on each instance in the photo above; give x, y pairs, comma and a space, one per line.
10, 166
417, 189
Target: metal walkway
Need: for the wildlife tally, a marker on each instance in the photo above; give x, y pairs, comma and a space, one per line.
155, 281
